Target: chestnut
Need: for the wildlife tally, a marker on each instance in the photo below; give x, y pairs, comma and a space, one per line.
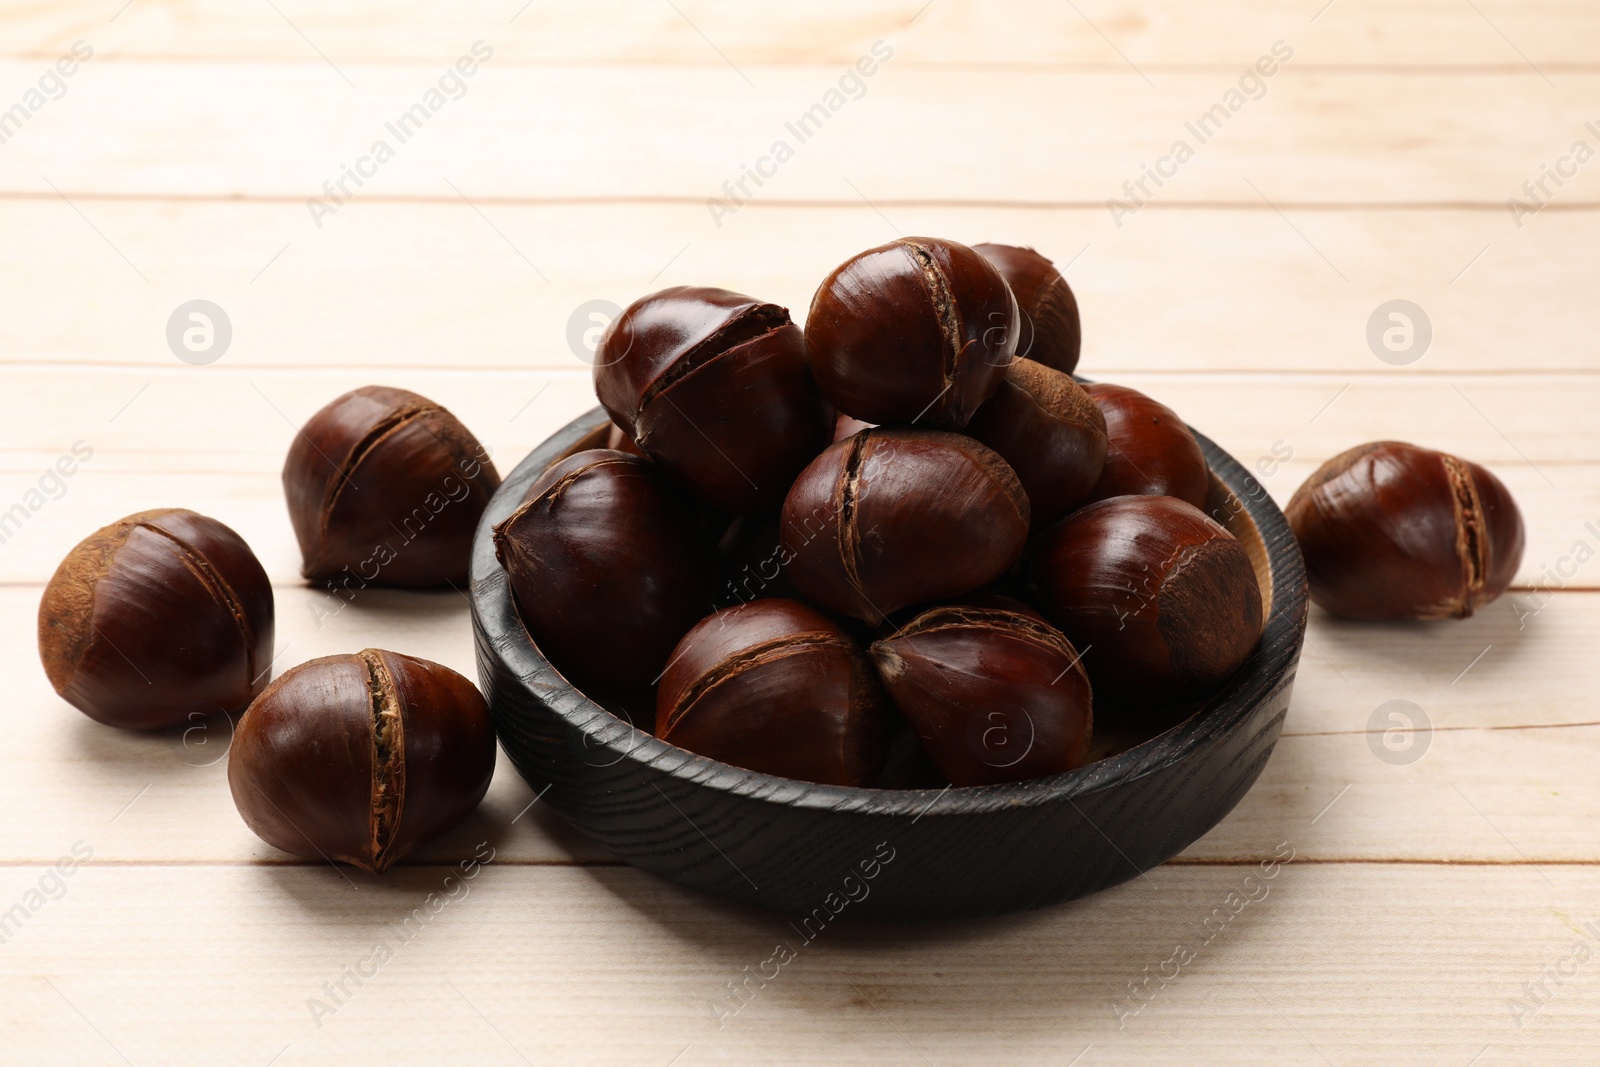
157, 619
1150, 451
609, 568
892, 517
361, 758
714, 386
618, 441
777, 687
1051, 333
1394, 531
1050, 431
917, 330
995, 695
1162, 601
386, 487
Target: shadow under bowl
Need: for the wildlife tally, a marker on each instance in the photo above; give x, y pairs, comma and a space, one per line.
822, 853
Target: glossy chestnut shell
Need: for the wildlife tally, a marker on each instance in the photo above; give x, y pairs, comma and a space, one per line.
919, 330
714, 386
386, 487
1161, 601
609, 568
1051, 432
1394, 531
157, 619
892, 517
361, 758
1050, 331
994, 695
1150, 452
775, 686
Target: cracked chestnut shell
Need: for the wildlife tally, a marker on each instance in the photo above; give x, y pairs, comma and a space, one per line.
892, 517
609, 568
918, 330
994, 695
1050, 330
1150, 452
1162, 601
714, 386
361, 758
1051, 432
777, 687
157, 619
386, 487
1390, 530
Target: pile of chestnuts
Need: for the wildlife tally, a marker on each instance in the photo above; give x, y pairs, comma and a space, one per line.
799, 548
907, 518
902, 546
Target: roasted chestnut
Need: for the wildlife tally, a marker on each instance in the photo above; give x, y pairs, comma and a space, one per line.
1161, 601
609, 568
1050, 431
777, 687
361, 758
994, 695
1150, 452
1050, 331
386, 487
157, 619
714, 386
1393, 531
916, 331
892, 517
619, 441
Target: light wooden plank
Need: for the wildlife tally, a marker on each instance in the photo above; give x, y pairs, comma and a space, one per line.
1538, 433
1148, 34
1356, 964
270, 130
437, 285
1487, 759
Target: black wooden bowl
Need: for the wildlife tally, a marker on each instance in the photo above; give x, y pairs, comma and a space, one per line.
822, 853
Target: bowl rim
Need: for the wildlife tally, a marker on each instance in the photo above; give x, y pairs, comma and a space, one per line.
605, 732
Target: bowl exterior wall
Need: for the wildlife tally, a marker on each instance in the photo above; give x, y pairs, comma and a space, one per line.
820, 854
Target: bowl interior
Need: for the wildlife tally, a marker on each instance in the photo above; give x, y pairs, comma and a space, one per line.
1236, 500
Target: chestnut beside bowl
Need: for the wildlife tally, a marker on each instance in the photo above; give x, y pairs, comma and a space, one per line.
804, 850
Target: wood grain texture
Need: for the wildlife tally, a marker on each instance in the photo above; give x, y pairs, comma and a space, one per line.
158, 130
1362, 964
400, 285
1423, 895
1116, 34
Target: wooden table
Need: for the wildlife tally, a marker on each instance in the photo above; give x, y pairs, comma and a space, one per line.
1438, 895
